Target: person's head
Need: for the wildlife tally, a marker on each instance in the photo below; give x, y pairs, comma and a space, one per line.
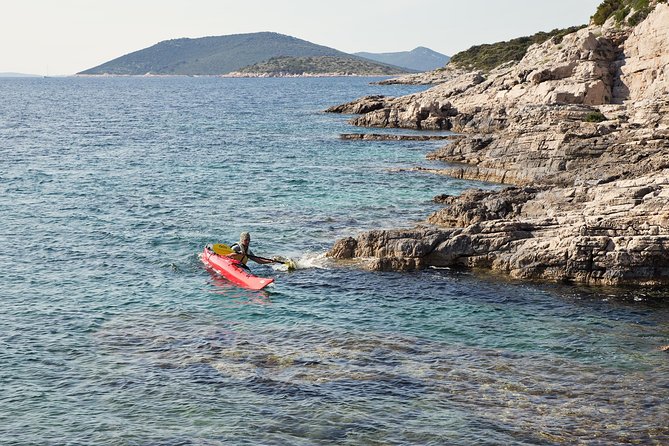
245, 239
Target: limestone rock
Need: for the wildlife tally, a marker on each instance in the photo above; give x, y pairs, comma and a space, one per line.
644, 69
394, 137
428, 78
610, 234
363, 105
581, 127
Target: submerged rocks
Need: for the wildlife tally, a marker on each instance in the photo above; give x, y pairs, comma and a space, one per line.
582, 126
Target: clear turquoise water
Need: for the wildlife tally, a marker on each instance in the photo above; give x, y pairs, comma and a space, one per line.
112, 332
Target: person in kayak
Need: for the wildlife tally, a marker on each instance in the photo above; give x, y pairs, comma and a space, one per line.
243, 253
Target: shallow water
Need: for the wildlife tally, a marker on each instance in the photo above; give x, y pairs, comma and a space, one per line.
112, 331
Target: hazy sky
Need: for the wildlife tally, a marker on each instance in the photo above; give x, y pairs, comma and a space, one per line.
67, 36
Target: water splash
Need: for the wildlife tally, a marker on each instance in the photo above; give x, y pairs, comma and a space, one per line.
307, 260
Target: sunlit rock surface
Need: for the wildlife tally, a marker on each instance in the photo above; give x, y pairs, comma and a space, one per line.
582, 127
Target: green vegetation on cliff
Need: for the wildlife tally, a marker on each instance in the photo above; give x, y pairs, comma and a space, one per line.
629, 12
595, 116
488, 56
281, 66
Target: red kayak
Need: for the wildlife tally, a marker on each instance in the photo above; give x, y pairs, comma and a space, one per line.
234, 271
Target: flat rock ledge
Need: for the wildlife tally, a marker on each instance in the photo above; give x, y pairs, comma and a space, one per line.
363, 105
580, 128
391, 137
603, 235
435, 77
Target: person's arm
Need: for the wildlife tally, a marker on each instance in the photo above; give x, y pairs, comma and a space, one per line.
258, 260
261, 260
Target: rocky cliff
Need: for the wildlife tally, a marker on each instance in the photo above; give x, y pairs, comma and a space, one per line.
581, 127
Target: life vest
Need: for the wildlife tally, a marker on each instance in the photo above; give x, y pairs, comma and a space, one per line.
240, 255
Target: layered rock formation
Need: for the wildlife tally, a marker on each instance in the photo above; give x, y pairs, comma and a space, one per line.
582, 127
426, 78
393, 137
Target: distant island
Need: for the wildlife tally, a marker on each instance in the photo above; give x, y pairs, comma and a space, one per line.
418, 59
19, 75
254, 54
318, 66
484, 57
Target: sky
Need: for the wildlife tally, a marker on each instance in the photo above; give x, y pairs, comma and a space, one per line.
61, 37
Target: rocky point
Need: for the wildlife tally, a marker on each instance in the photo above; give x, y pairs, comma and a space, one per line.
579, 127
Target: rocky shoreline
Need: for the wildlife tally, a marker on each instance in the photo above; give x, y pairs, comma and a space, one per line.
580, 127
392, 137
436, 77
237, 74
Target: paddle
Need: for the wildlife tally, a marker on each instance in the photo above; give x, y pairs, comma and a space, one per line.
224, 250
288, 262
221, 249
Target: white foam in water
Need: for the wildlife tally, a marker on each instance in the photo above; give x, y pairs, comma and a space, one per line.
306, 261
312, 260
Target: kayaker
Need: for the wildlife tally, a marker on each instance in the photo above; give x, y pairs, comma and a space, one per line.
243, 253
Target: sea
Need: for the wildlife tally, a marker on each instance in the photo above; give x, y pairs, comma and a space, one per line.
112, 331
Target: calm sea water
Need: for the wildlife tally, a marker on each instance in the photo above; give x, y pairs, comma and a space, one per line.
113, 333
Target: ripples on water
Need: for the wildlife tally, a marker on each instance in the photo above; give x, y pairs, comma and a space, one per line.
112, 332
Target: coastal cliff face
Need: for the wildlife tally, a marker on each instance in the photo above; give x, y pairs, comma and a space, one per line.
581, 126
643, 74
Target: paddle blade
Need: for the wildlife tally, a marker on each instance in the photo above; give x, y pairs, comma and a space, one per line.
221, 249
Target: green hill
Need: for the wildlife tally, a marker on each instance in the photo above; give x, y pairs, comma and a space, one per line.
211, 55
281, 66
419, 59
488, 56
